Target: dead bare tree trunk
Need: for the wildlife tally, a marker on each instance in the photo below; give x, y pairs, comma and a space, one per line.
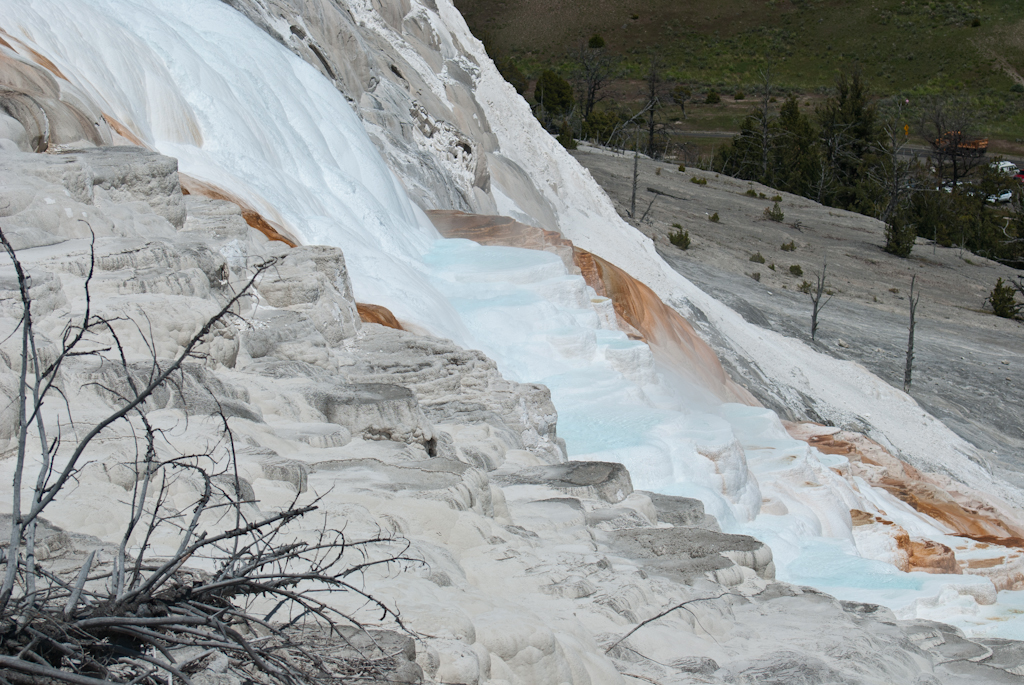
816, 295
632, 197
909, 367
653, 101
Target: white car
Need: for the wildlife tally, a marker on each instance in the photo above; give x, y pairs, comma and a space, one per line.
1001, 196
1008, 168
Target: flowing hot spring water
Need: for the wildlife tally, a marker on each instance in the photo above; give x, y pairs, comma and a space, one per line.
195, 80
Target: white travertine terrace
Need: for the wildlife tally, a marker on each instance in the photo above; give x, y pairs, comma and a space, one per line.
198, 81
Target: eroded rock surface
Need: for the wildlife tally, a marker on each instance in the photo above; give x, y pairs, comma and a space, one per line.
522, 567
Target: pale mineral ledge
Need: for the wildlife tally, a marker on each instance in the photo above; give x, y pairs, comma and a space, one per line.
317, 134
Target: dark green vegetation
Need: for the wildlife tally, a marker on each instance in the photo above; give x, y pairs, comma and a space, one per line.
1003, 299
849, 152
911, 48
774, 213
899, 237
679, 237
827, 97
902, 46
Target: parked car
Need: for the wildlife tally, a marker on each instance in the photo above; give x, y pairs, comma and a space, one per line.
1008, 168
1001, 196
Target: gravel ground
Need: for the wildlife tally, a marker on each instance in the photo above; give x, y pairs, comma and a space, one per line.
969, 364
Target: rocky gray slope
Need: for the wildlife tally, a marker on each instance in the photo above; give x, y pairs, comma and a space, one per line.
534, 570
968, 363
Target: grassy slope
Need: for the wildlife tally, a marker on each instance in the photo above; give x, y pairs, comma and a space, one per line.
907, 47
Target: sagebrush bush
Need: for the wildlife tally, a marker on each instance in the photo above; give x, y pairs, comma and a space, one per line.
796, 270
699, 180
788, 247
757, 257
679, 237
751, 192
682, 167
739, 95
712, 98
805, 287
714, 218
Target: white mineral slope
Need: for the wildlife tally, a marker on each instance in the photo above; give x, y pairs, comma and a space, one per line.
846, 392
275, 132
434, 74
189, 66
525, 173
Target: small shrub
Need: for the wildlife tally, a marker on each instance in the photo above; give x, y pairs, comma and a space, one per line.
774, 213
968, 261
751, 192
712, 98
776, 198
679, 237
554, 93
714, 218
634, 17
1003, 300
762, 196
596, 42
796, 270
739, 95
699, 180
756, 276
805, 287
894, 291
566, 138
1017, 88
772, 266
899, 237
757, 257
682, 167
975, 23
788, 247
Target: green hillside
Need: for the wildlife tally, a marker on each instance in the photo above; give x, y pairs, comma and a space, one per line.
906, 47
